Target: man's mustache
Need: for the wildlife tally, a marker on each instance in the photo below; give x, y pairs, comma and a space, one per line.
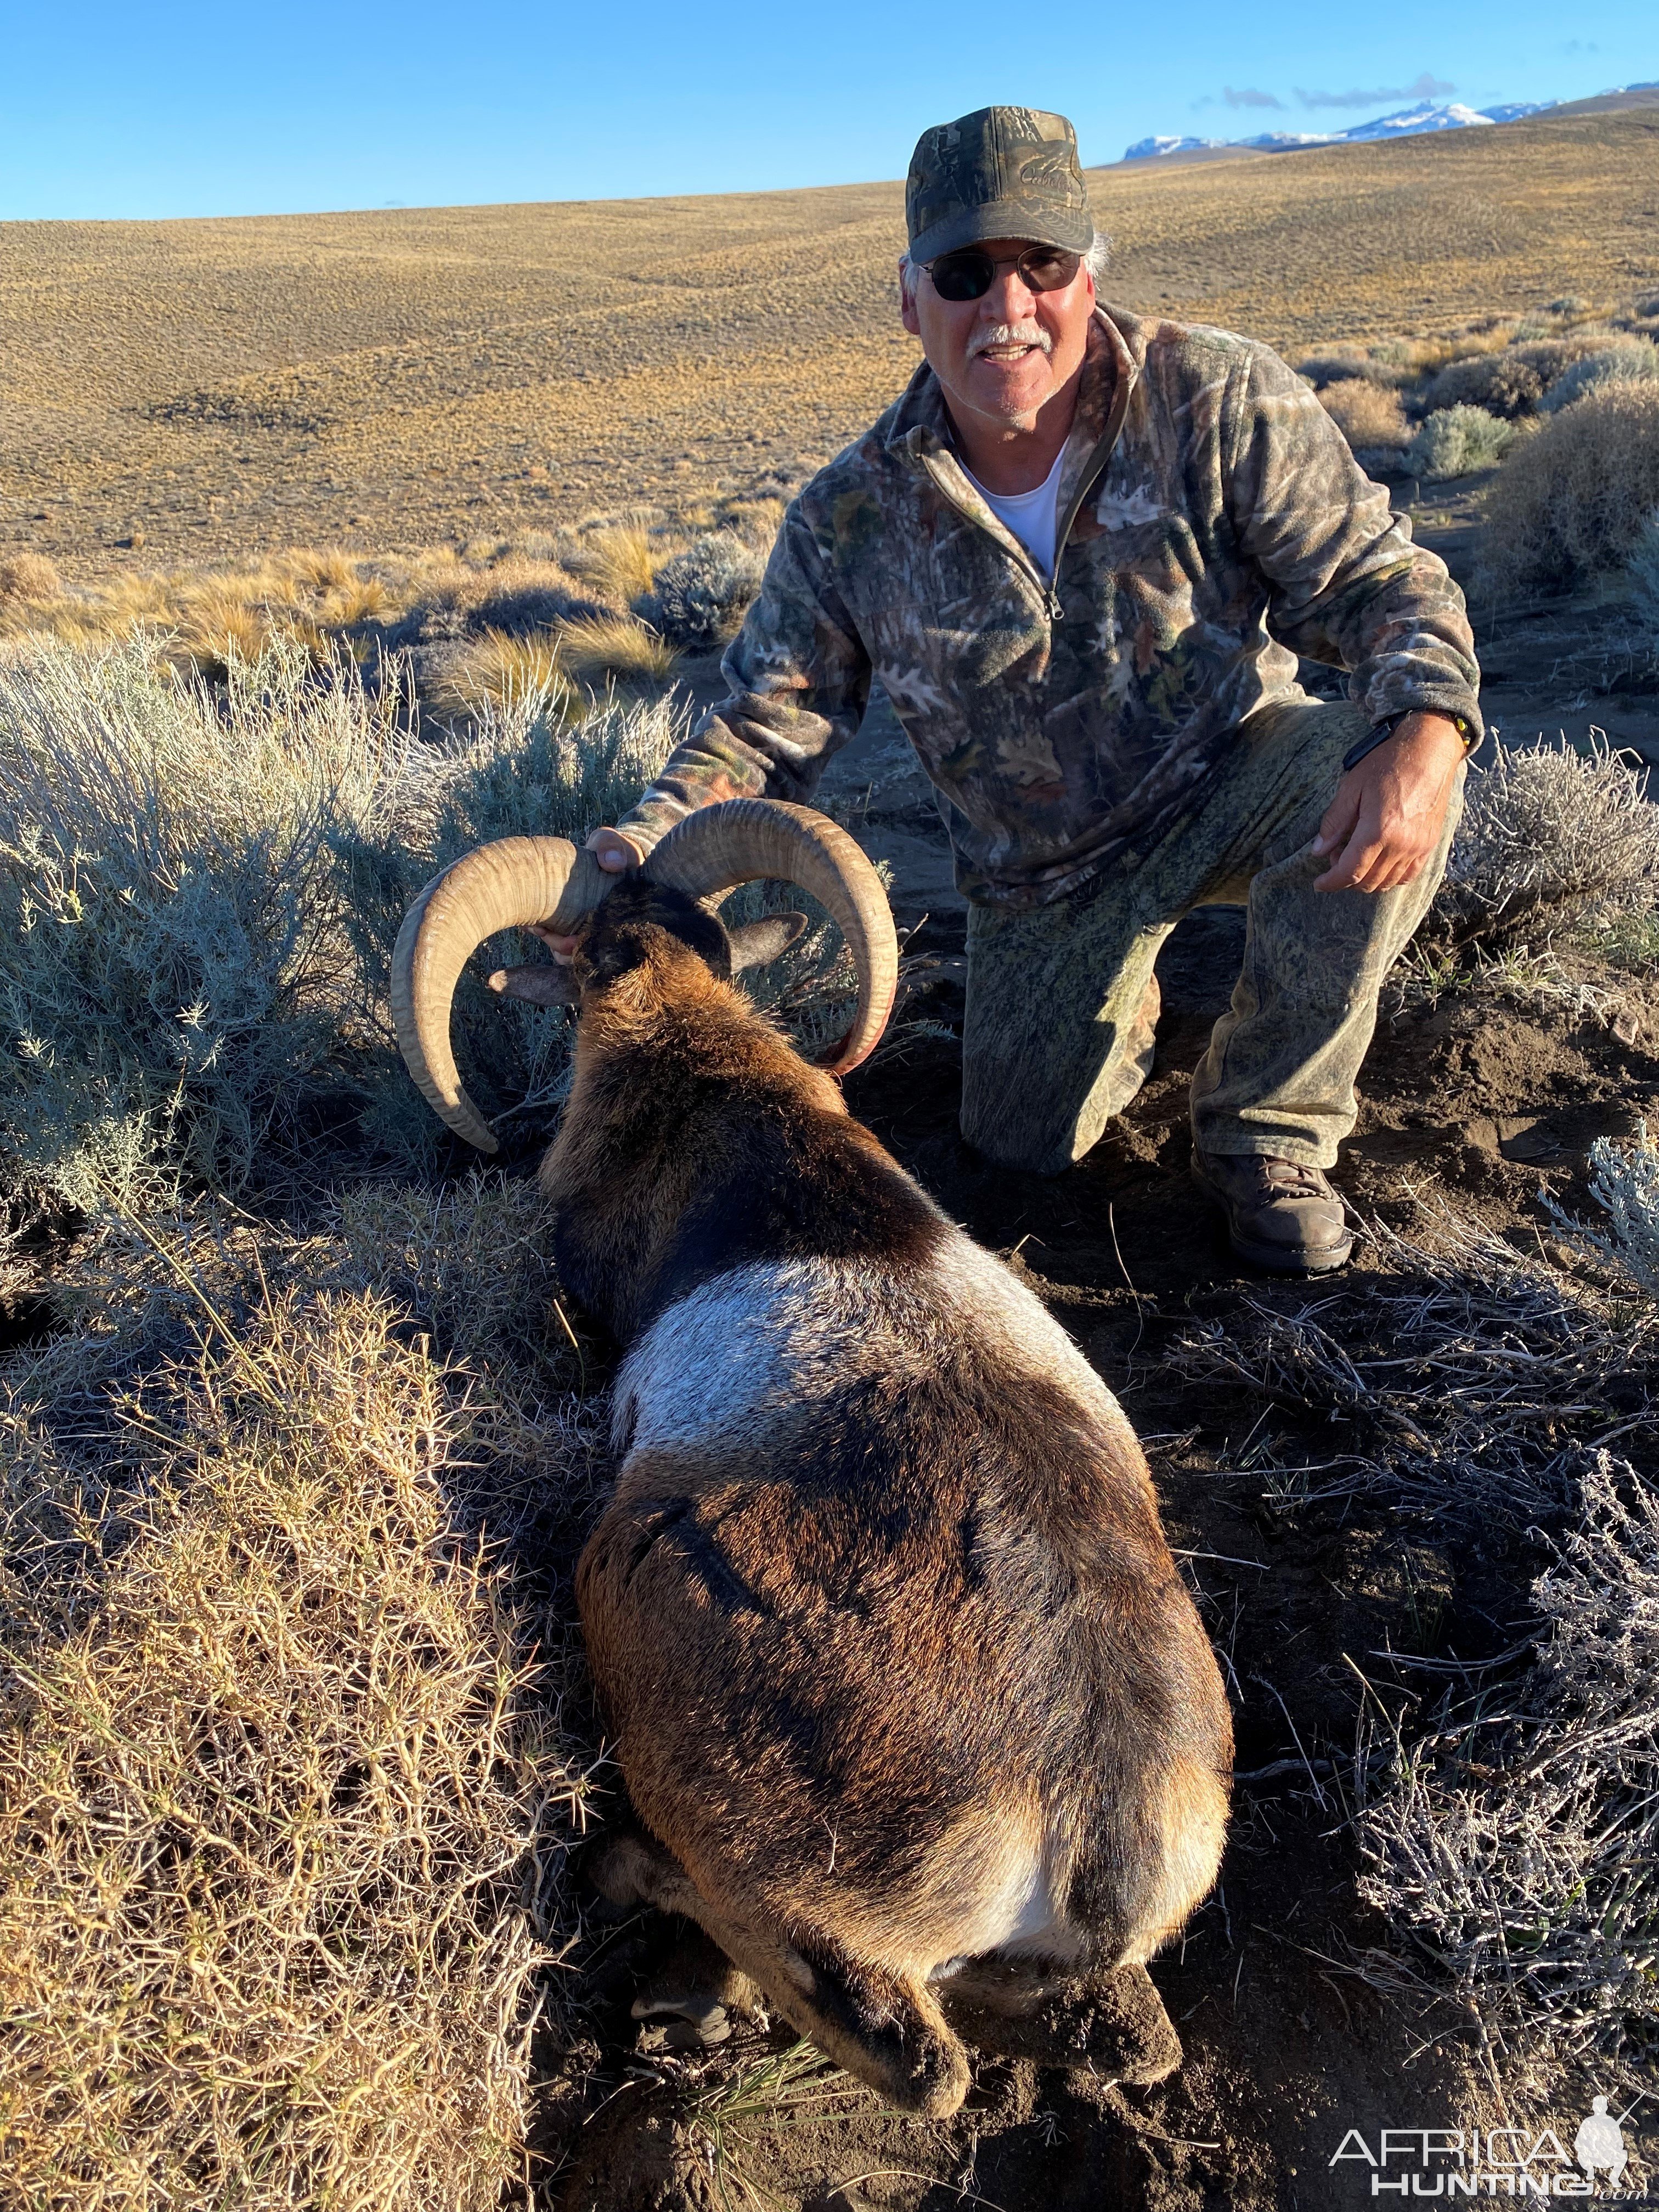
1003, 334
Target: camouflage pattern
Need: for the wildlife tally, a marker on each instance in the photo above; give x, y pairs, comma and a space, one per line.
1213, 524
1055, 1038
998, 173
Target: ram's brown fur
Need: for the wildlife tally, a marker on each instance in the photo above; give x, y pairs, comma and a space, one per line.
924, 1634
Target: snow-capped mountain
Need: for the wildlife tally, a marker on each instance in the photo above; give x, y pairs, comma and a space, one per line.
1149, 149
1286, 142
1405, 123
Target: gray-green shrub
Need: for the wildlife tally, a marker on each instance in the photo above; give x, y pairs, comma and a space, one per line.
1552, 843
1455, 441
199, 892
1632, 361
698, 599
1502, 383
1624, 1184
1568, 504
173, 956
1516, 1841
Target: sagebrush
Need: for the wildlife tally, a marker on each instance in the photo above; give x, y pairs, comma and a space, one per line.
1515, 1840
1568, 505
198, 895
1630, 360
1623, 1182
698, 597
1456, 440
1509, 1831
175, 976
270, 1697
1552, 842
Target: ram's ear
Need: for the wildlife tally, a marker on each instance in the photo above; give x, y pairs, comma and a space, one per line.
543, 983
755, 943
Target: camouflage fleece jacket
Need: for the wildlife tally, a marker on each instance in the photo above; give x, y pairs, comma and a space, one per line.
1213, 525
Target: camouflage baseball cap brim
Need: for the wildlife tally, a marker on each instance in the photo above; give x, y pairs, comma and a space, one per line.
998, 173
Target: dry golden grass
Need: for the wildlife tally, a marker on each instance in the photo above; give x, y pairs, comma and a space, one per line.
301, 594
1568, 504
500, 613
1366, 414
498, 673
279, 1801
28, 579
607, 647
404, 378
620, 562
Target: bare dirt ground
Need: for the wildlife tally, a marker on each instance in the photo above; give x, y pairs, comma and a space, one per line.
392, 380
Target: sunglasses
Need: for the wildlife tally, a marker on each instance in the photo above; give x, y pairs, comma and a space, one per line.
969, 273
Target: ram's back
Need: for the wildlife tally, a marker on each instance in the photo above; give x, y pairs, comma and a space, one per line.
883, 1546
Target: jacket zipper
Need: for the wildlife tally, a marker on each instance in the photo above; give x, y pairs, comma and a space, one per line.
1098, 460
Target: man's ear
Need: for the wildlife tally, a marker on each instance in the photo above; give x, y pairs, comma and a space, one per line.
907, 304
544, 983
755, 943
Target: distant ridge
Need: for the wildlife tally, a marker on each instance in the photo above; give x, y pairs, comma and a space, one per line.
1404, 123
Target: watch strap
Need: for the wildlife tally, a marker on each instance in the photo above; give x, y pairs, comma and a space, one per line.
1380, 732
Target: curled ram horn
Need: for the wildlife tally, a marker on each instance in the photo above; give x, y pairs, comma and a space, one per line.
519, 881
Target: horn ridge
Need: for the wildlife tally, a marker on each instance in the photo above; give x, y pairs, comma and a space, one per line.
511, 882
739, 840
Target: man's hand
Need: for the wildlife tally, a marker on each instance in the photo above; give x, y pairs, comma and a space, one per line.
1389, 808
616, 852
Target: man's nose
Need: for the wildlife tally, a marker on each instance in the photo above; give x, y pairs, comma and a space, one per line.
1010, 299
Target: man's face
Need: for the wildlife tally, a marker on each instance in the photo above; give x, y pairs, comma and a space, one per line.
1003, 357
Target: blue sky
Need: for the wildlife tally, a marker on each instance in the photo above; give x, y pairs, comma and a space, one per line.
112, 108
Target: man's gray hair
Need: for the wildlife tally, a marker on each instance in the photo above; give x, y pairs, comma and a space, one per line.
1095, 260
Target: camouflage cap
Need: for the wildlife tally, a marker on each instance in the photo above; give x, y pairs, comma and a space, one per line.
998, 173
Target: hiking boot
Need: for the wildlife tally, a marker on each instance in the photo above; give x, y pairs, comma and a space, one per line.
1281, 1215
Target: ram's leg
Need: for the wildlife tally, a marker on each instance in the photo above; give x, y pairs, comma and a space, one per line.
884, 2028
1114, 2023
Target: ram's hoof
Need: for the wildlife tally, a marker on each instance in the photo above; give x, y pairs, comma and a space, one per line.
690, 1997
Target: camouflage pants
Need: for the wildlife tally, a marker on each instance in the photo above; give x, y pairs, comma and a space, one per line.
1058, 1038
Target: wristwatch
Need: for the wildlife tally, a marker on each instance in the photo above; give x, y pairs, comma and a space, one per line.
1380, 732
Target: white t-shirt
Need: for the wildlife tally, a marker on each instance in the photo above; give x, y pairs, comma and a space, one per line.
1032, 516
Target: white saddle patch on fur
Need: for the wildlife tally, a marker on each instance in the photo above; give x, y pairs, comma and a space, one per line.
725, 1363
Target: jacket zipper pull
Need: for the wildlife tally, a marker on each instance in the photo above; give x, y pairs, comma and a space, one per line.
1056, 612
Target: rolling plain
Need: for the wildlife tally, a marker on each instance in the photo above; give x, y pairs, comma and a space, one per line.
386, 381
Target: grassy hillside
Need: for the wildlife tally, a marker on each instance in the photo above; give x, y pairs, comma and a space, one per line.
391, 379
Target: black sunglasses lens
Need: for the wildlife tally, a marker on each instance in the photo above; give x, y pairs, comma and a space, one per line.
963, 276
968, 273
1048, 269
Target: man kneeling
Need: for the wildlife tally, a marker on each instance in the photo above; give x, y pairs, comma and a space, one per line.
1082, 552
